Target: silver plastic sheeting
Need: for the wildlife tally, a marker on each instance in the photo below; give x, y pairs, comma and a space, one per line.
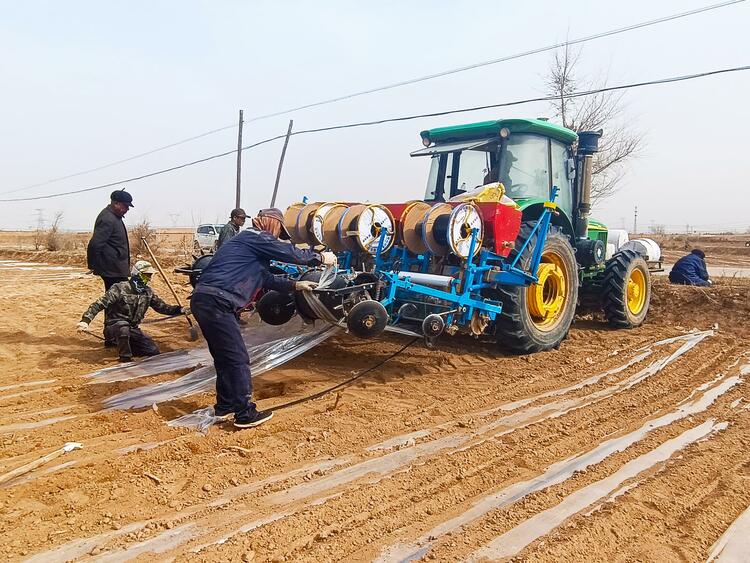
201, 420
264, 356
163, 363
256, 333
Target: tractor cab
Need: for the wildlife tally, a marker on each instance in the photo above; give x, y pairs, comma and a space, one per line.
528, 156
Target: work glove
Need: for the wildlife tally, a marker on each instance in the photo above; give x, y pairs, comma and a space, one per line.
83, 326
185, 310
328, 259
305, 285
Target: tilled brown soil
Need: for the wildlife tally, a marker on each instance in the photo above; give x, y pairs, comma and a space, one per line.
458, 453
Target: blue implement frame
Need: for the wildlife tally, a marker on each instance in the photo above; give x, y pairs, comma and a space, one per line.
463, 296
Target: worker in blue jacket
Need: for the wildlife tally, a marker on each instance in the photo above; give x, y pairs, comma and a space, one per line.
233, 277
691, 269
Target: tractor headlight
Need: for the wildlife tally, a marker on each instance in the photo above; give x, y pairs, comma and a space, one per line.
426, 141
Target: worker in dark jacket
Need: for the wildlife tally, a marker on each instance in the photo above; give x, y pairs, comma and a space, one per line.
691, 269
236, 220
108, 252
127, 303
236, 273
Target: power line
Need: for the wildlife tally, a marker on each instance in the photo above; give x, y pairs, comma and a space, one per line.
501, 59
659, 81
528, 100
390, 87
121, 161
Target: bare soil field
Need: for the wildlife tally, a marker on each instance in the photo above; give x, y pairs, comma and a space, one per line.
620, 446
720, 249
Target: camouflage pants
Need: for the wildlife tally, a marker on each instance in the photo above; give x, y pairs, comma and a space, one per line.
109, 282
130, 341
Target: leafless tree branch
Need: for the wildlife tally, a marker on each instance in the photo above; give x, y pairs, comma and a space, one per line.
590, 113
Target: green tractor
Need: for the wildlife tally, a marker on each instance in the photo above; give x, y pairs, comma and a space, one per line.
529, 157
501, 245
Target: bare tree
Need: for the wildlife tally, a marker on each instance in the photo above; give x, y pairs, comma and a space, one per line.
603, 110
53, 239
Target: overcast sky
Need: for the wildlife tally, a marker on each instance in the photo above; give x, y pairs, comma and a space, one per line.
88, 83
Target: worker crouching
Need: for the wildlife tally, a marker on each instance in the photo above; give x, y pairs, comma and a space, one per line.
126, 304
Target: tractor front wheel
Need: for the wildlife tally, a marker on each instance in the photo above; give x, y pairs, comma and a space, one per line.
538, 317
626, 289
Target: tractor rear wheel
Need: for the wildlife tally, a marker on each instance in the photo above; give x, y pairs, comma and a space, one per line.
538, 317
626, 289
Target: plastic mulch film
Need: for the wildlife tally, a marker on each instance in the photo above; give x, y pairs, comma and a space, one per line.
201, 420
163, 363
255, 333
263, 356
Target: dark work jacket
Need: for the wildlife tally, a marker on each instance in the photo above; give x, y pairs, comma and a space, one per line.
689, 270
108, 252
240, 267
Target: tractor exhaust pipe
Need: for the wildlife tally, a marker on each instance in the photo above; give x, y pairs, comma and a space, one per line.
588, 145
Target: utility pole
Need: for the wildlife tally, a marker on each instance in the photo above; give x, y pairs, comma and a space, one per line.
39, 219
281, 163
239, 163
635, 220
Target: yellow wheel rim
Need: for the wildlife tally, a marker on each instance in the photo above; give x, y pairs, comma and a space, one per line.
636, 296
546, 298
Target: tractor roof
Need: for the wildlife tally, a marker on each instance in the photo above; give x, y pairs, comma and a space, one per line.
489, 129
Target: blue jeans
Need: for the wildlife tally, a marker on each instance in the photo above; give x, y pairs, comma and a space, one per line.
218, 322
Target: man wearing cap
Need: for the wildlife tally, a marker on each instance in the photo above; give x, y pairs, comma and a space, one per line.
108, 251
238, 270
126, 303
236, 220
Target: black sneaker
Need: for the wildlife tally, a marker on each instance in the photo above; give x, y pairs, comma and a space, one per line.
255, 418
124, 359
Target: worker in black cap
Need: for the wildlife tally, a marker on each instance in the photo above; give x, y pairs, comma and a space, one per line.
236, 220
232, 279
108, 251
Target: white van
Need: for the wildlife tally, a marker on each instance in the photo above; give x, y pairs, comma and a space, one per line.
205, 237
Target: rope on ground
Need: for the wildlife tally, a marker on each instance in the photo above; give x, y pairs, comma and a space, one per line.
344, 383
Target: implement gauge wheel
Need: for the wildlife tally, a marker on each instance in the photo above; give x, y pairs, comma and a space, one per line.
626, 289
367, 319
538, 317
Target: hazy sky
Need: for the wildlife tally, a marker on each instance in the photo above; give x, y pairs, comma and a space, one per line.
87, 83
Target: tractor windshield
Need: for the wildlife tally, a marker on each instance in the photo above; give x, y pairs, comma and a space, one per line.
526, 169
457, 172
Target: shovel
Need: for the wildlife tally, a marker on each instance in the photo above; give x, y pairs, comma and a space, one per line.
193, 329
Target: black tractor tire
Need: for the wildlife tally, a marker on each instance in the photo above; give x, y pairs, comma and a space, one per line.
516, 330
626, 266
